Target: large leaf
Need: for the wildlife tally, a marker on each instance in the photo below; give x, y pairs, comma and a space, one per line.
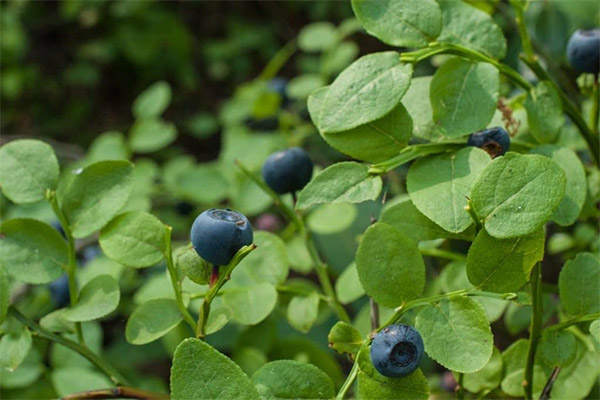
465, 25
389, 264
99, 297
578, 285
545, 115
440, 184
136, 239
407, 23
456, 334
516, 194
200, 372
416, 101
503, 265
152, 101
32, 251
289, 379
345, 182
463, 96
27, 169
365, 91
14, 347
570, 207
96, 195
251, 304
152, 320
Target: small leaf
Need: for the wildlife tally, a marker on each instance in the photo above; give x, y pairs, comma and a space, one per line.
347, 286
150, 135
152, 320
99, 297
107, 146
344, 338
190, 264
516, 194
487, 378
557, 348
503, 265
365, 91
56, 322
251, 304
345, 182
96, 195
318, 36
201, 372
269, 263
390, 266
456, 334
289, 379
407, 23
302, 86
152, 101
302, 311
135, 239
328, 219
32, 251
544, 112
14, 347
27, 169
578, 285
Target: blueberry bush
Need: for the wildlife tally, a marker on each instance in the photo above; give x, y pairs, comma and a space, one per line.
417, 222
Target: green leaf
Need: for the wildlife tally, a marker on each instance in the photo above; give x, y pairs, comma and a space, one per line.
465, 25
503, 265
344, 338
152, 320
416, 101
570, 207
595, 334
463, 96
201, 372
557, 348
578, 285
545, 115
440, 184
456, 334
14, 347
302, 311
514, 358
269, 263
390, 266
4, 293
300, 87
149, 135
251, 304
96, 195
32, 251
327, 219
365, 91
516, 194
407, 23
347, 286
577, 380
318, 36
345, 182
30, 369
405, 217
152, 101
190, 264
99, 297
375, 141
69, 380
335, 60
135, 239
487, 378
289, 379
298, 255
207, 176
56, 322
107, 146
27, 169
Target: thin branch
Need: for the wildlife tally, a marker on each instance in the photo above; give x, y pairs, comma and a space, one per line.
548, 387
374, 314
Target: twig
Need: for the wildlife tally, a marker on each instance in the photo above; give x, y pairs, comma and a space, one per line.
534, 331
374, 314
548, 387
119, 392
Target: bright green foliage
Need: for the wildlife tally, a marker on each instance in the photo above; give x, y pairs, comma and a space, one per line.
302, 86
27, 169
251, 304
557, 348
347, 286
68, 380
516, 194
488, 377
108, 146
328, 219
200, 371
190, 264
578, 285
99, 297
149, 135
14, 347
416, 101
302, 311
146, 324
56, 322
576, 380
389, 265
595, 334
318, 36
344, 338
456, 334
31, 251
268, 263
287, 379
439, 186
411, 23
135, 239
514, 358
544, 112
152, 101
4, 293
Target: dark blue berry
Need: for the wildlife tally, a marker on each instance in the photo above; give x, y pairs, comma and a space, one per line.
59, 291
218, 234
288, 170
397, 350
495, 141
583, 51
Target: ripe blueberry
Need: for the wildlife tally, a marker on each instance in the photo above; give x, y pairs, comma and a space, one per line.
218, 234
397, 350
59, 291
583, 51
495, 141
287, 170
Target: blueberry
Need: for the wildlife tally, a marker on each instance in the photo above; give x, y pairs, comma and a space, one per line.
59, 291
218, 234
495, 141
397, 350
288, 170
583, 51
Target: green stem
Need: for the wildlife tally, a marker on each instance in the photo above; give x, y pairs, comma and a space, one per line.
595, 107
413, 152
460, 393
536, 325
278, 60
575, 321
473, 214
448, 255
107, 369
175, 280
72, 267
520, 19
349, 381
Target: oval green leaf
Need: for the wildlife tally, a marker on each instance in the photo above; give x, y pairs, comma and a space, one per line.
149, 135
14, 347
302, 312
152, 320
578, 285
99, 297
152, 101
545, 115
251, 304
